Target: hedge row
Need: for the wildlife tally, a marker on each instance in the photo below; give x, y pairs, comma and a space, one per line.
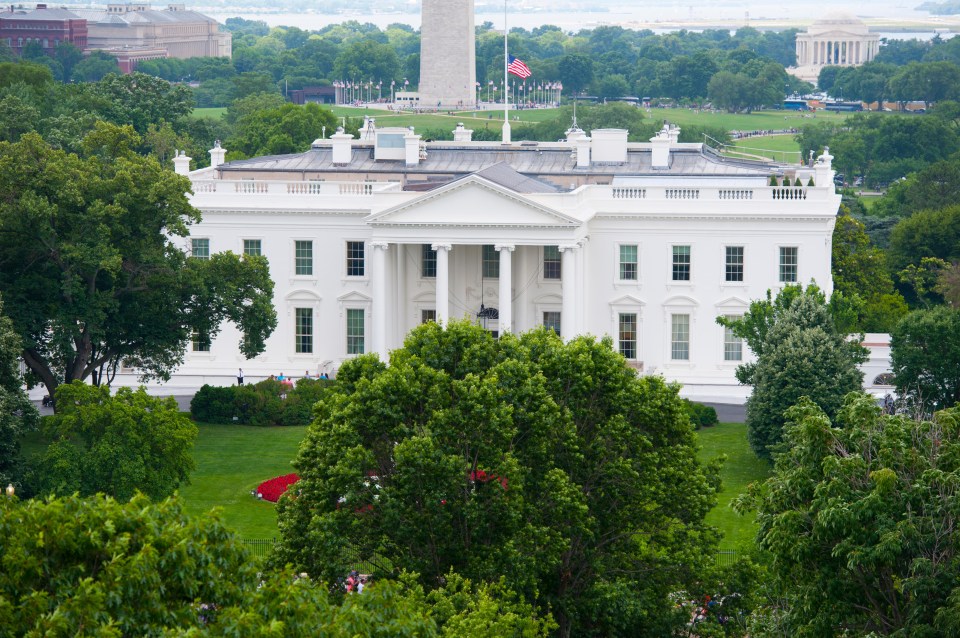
266, 403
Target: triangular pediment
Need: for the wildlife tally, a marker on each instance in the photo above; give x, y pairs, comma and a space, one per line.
473, 201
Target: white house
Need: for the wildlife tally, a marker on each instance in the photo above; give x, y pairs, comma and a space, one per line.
647, 243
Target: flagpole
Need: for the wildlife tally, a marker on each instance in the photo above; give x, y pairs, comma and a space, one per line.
506, 92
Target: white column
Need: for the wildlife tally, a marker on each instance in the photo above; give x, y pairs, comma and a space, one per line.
568, 308
581, 294
379, 263
443, 282
506, 287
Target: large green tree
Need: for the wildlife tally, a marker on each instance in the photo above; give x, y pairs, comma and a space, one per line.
17, 413
925, 357
860, 517
860, 273
550, 464
96, 567
115, 445
800, 353
93, 267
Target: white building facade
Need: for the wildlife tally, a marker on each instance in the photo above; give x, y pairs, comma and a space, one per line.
835, 40
647, 243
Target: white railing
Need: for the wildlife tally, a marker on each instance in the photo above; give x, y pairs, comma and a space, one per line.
757, 193
735, 193
270, 187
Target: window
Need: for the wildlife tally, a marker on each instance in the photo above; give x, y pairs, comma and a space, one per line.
681, 263
628, 335
734, 263
428, 261
628, 262
551, 320
200, 248
355, 331
252, 247
355, 259
491, 262
304, 331
680, 337
551, 262
201, 341
426, 316
788, 264
732, 344
303, 257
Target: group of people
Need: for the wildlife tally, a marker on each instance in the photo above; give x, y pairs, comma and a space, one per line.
284, 379
356, 582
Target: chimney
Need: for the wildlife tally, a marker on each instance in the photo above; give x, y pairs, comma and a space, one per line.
342, 146
217, 155
181, 163
674, 132
411, 146
660, 148
583, 151
461, 134
609, 145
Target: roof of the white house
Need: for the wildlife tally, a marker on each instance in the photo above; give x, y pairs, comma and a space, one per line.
525, 158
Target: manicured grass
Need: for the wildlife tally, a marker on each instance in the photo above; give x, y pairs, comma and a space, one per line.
741, 468
214, 112
781, 148
232, 460
758, 120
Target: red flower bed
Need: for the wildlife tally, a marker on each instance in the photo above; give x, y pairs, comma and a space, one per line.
272, 489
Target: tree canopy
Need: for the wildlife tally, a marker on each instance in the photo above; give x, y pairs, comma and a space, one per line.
93, 268
96, 566
859, 517
116, 445
550, 464
17, 413
925, 357
799, 353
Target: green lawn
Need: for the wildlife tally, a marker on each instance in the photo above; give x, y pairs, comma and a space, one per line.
758, 120
781, 148
741, 468
232, 460
214, 112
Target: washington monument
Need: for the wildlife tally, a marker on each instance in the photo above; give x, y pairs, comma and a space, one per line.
448, 54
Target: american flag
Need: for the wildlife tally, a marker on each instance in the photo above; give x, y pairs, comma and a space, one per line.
518, 68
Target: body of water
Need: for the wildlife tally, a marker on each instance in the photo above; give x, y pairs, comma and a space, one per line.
896, 19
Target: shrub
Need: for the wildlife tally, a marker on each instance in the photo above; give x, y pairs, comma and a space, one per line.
213, 404
700, 415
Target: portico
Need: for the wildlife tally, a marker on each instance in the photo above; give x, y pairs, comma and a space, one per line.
488, 266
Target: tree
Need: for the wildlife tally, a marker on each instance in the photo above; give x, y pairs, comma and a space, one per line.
799, 353
860, 518
928, 233
550, 464
860, 272
17, 413
93, 272
139, 100
576, 71
925, 357
95, 566
95, 67
286, 129
116, 445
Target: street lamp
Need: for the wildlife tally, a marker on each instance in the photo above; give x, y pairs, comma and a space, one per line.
10, 490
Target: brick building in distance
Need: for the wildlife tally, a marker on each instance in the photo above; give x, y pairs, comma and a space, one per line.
49, 27
130, 32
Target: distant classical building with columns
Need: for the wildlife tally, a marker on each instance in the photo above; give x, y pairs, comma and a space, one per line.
836, 40
646, 243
